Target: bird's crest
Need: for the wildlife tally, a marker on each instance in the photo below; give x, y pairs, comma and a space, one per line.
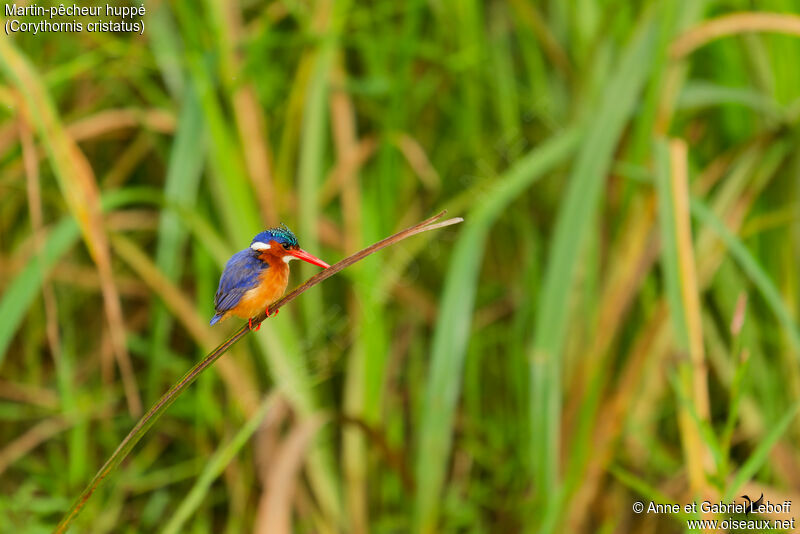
281, 234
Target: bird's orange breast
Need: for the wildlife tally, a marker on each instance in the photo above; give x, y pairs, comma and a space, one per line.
272, 285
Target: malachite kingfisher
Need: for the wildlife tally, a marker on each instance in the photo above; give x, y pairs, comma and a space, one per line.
257, 276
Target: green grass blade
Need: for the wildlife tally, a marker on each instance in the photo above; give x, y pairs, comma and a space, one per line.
453, 324
180, 192
698, 95
312, 150
214, 467
760, 454
19, 295
751, 267
575, 217
669, 246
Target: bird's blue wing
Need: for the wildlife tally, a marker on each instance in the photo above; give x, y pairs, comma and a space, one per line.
240, 275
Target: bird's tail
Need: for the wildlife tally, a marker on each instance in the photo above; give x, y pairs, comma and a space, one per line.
214, 320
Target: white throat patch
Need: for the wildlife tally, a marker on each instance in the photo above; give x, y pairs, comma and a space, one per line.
288, 258
258, 245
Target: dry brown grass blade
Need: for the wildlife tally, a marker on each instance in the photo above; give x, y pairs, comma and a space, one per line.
38, 434
104, 122
731, 25
275, 505
111, 120
27, 393
267, 439
693, 373
77, 182
418, 160
343, 177
85, 277
688, 273
350, 156
251, 124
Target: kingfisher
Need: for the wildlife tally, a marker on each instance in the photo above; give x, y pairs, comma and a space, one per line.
257, 276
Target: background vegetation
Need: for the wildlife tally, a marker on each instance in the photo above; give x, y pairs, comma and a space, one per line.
615, 320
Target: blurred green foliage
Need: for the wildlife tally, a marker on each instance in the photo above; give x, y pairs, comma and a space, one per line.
615, 320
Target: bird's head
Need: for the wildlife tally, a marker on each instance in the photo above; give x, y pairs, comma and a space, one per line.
280, 243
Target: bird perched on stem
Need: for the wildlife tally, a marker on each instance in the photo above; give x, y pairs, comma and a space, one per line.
257, 276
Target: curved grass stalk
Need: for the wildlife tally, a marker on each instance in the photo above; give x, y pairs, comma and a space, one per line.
152, 415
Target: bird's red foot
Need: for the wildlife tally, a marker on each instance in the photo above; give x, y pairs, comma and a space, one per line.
274, 313
250, 324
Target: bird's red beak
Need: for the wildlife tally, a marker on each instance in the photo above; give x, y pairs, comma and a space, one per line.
301, 254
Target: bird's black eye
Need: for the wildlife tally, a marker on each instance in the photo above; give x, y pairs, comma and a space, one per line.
285, 246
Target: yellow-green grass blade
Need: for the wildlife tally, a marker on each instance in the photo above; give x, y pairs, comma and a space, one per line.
703, 431
697, 95
760, 455
575, 216
19, 295
453, 324
311, 156
750, 265
644, 489
669, 247
673, 17
165, 45
180, 192
214, 467
503, 68
313, 137
230, 188
677, 260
